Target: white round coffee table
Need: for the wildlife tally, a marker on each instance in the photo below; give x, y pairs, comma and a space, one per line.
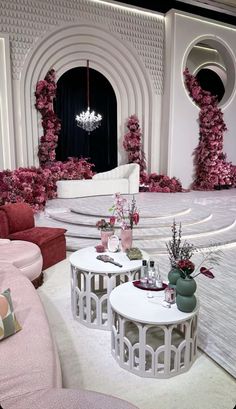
92, 282
149, 339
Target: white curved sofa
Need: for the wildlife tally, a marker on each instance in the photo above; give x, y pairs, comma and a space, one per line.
123, 179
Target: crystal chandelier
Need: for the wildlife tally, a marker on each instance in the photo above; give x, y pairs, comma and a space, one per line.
88, 120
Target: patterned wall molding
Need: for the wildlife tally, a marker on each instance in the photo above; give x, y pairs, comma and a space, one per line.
28, 20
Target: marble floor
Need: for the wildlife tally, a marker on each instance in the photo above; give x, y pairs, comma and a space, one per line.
208, 219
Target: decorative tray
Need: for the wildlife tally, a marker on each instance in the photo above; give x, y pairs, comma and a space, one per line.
143, 287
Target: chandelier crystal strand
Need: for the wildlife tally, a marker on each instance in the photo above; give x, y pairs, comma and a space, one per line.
88, 120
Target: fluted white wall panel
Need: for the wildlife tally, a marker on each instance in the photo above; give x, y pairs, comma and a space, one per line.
7, 143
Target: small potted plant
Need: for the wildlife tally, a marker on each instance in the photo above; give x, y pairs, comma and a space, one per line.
177, 251
107, 229
184, 271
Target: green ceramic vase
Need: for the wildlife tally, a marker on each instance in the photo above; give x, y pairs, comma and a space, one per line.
185, 298
173, 275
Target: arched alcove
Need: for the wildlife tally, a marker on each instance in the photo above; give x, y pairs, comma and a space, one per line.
212, 62
70, 47
100, 146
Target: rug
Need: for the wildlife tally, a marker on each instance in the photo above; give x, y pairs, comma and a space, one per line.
87, 363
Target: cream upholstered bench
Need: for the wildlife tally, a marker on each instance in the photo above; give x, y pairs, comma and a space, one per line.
123, 179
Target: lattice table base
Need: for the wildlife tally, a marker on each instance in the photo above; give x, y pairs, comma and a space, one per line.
90, 293
157, 351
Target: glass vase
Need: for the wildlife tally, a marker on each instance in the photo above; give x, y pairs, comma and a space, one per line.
173, 275
105, 234
126, 237
185, 298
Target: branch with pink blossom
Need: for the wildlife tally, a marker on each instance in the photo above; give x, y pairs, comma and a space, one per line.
125, 213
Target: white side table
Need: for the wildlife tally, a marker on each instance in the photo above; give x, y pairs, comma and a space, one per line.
92, 282
149, 339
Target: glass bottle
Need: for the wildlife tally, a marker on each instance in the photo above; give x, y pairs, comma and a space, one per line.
144, 273
159, 282
170, 295
151, 274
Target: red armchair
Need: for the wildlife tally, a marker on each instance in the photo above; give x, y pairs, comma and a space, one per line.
17, 223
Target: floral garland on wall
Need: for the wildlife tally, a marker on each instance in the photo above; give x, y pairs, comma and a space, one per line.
133, 145
148, 182
44, 94
37, 185
212, 169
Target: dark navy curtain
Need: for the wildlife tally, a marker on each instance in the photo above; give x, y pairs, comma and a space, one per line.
71, 99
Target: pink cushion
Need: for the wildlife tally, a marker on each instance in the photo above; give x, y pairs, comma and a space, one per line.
24, 255
20, 216
51, 241
28, 360
67, 399
4, 229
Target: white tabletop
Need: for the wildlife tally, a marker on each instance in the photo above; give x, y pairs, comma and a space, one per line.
85, 259
133, 303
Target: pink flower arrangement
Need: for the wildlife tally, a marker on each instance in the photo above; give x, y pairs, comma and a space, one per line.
31, 185
45, 93
133, 146
186, 265
212, 169
181, 253
125, 213
73, 168
161, 183
106, 226
37, 185
187, 268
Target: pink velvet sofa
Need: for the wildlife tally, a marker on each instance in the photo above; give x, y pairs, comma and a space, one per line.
17, 223
25, 256
30, 374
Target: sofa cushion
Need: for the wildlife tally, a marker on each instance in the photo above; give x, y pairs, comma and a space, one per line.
24, 255
55, 252
4, 229
20, 216
38, 235
51, 241
8, 322
29, 360
90, 187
